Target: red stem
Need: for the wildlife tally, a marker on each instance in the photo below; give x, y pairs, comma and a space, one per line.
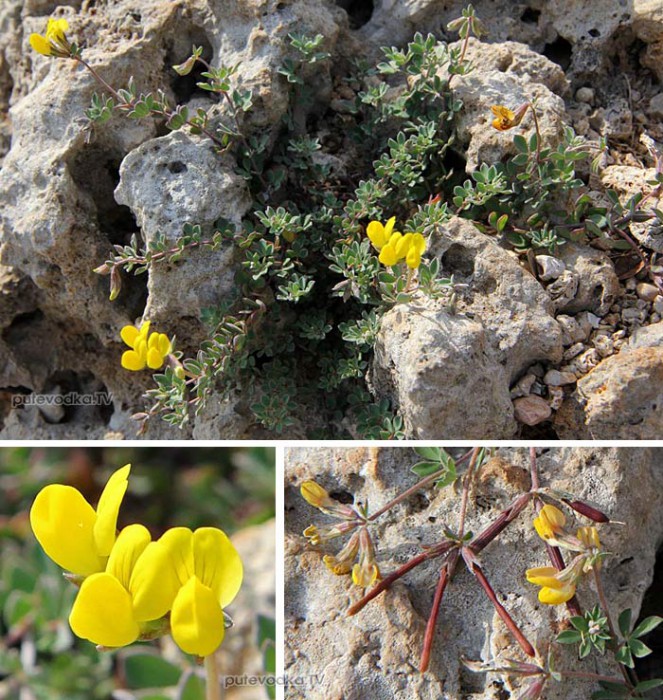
501, 611
446, 573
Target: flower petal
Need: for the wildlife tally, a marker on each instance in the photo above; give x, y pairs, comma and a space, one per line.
133, 361
389, 227
154, 359
544, 576
375, 233
41, 44
102, 612
388, 256
217, 563
105, 528
63, 523
163, 568
549, 522
555, 596
130, 544
196, 620
129, 335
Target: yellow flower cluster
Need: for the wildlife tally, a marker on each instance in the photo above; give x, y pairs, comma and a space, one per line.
394, 246
365, 571
560, 586
130, 586
54, 42
147, 349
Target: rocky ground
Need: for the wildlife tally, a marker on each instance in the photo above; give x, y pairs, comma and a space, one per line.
376, 653
565, 347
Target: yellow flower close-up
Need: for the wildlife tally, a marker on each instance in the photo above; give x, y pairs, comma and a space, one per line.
554, 588
550, 522
72, 533
147, 349
194, 575
505, 118
54, 42
103, 610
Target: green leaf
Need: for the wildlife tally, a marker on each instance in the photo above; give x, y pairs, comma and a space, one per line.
569, 637
638, 648
644, 686
647, 625
149, 671
430, 454
580, 623
624, 656
520, 142
624, 622
193, 689
266, 629
424, 469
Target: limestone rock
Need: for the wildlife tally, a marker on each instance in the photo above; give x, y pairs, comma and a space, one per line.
621, 397
171, 181
430, 361
510, 74
597, 283
376, 652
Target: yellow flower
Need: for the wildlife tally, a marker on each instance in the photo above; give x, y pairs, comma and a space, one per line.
589, 536
505, 119
550, 522
314, 494
555, 586
103, 610
147, 349
54, 42
343, 562
71, 532
378, 234
366, 572
394, 246
194, 575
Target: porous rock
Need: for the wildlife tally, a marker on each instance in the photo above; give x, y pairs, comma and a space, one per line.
597, 283
430, 361
510, 74
376, 652
621, 397
60, 217
165, 182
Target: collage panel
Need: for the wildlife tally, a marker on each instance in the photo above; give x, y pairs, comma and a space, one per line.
137, 573
331, 219
480, 573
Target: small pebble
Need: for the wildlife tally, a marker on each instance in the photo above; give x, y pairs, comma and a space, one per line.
646, 291
556, 397
658, 305
585, 94
550, 268
572, 332
604, 345
554, 377
524, 386
531, 410
631, 284
656, 105
574, 350
632, 315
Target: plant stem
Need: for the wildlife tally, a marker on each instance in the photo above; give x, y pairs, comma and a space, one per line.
501, 611
467, 479
436, 551
589, 676
212, 684
446, 573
